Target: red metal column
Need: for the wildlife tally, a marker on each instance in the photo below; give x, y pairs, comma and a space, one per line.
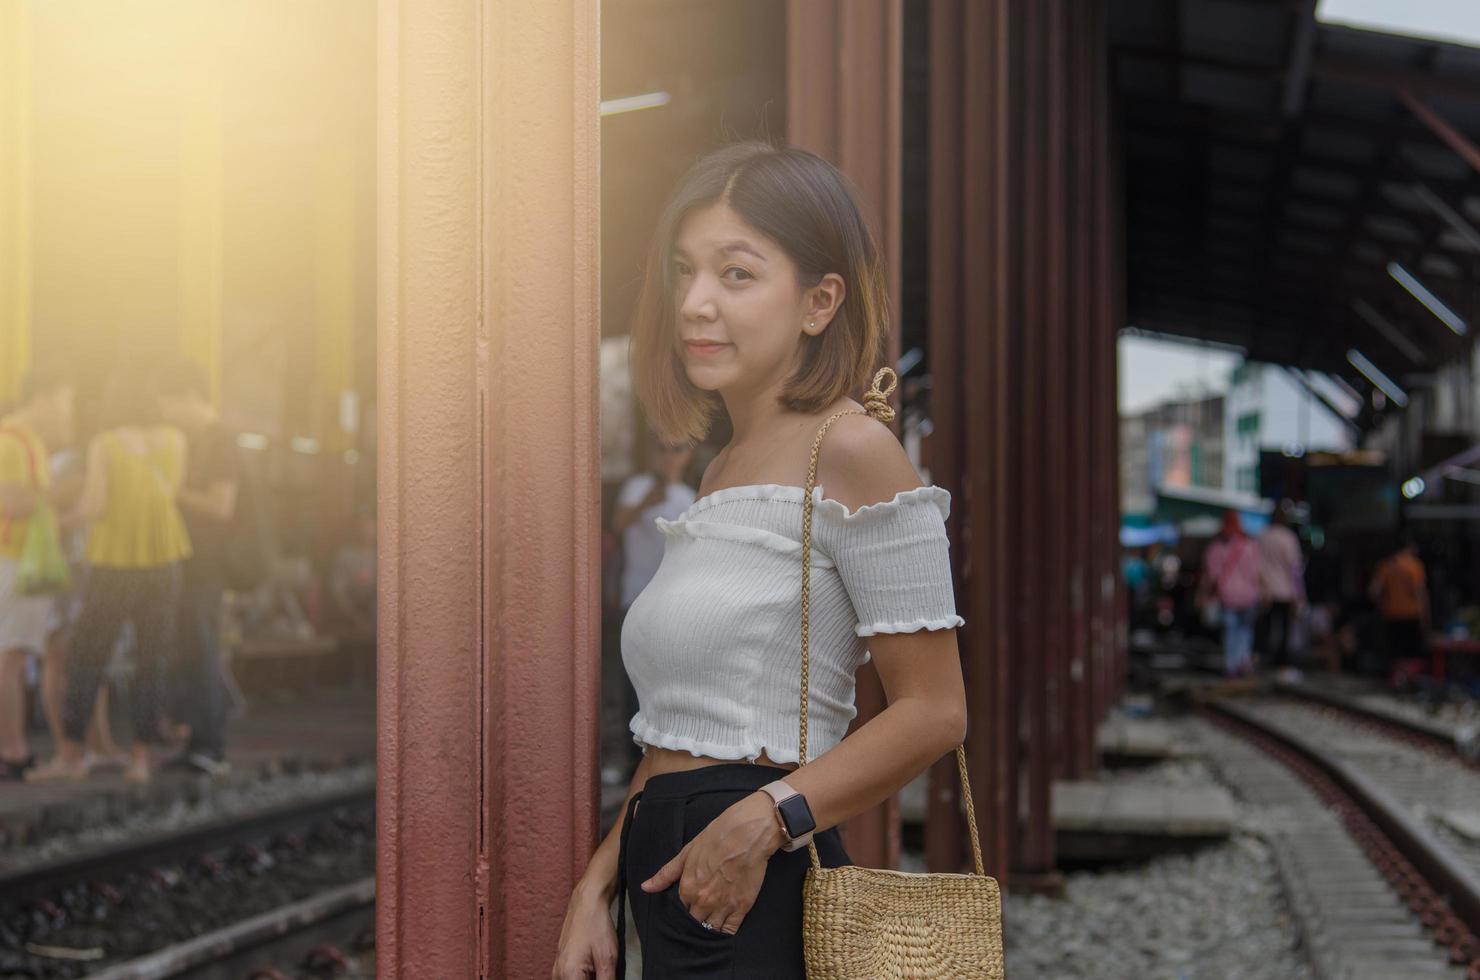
974, 212
1058, 399
943, 829
488, 481
1022, 358
1034, 852
1107, 508
853, 118
1080, 257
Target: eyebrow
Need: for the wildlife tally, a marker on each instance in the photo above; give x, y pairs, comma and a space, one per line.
727, 247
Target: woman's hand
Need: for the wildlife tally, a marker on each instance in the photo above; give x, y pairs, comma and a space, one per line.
719, 872
588, 941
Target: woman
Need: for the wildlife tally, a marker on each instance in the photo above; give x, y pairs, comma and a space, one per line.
67, 475
764, 298
135, 545
1231, 575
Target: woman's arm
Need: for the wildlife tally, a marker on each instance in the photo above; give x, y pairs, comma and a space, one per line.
600, 877
925, 719
94, 498
588, 943
218, 501
861, 462
182, 460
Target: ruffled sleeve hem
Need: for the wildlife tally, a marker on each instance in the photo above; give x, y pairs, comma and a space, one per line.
912, 626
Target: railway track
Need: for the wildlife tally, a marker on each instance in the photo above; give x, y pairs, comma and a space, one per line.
257, 895
1370, 841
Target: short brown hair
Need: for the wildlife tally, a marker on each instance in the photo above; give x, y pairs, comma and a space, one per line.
806, 206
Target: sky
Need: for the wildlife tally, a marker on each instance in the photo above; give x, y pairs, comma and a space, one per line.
1445, 20
1153, 371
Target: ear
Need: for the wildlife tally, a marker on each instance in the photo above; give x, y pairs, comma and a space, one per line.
822, 302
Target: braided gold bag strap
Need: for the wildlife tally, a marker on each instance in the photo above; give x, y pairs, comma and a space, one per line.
876, 404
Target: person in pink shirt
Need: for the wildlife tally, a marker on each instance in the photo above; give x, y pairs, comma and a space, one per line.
1231, 576
1282, 586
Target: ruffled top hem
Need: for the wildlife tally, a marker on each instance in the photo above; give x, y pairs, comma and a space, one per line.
644, 733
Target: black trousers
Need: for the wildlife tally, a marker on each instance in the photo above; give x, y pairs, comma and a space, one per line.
200, 692
1403, 639
110, 596
670, 811
1274, 633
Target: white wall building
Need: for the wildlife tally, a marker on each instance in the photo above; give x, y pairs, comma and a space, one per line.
1268, 408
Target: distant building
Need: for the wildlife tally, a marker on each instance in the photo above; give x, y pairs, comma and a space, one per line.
1268, 409
1176, 444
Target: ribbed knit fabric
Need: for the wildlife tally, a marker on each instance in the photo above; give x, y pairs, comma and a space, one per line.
713, 643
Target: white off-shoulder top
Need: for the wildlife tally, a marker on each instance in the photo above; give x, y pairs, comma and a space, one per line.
713, 643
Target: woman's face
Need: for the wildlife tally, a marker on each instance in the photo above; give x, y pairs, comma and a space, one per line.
736, 287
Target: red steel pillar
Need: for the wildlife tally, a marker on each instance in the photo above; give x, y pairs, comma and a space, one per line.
943, 830
975, 210
1022, 362
1079, 256
852, 117
488, 480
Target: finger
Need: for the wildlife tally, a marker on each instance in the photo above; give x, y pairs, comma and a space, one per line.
701, 915
668, 873
606, 968
732, 922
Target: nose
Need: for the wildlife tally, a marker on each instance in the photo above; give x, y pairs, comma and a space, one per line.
698, 301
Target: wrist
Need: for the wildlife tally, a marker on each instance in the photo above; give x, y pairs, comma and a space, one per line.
774, 834
601, 890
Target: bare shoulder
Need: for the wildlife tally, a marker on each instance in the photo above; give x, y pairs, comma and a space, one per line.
862, 462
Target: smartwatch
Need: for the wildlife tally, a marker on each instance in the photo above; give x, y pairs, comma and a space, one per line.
797, 821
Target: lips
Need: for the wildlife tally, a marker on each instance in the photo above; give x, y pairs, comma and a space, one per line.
703, 348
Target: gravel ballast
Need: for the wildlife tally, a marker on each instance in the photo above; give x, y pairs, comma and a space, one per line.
1217, 912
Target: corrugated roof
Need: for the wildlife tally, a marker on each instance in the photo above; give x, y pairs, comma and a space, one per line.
1273, 170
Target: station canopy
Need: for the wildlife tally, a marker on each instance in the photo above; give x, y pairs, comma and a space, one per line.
1300, 189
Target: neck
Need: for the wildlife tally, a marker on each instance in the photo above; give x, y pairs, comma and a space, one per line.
26, 416
758, 412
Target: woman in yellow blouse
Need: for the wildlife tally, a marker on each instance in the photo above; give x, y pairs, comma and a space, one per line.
136, 543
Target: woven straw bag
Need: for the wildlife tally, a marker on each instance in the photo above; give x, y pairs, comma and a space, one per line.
866, 924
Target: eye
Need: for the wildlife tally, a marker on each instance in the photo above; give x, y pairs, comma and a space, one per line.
744, 273
680, 268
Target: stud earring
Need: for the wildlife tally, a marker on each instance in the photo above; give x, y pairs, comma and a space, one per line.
813, 324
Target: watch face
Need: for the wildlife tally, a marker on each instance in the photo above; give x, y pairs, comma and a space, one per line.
797, 816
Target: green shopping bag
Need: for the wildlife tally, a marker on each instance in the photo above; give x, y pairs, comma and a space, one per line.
42, 569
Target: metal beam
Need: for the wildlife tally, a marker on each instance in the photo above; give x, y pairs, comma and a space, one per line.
1391, 333
1447, 134
1302, 45
1351, 71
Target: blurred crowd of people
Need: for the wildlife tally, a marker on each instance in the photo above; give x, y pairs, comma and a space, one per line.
1267, 601
131, 546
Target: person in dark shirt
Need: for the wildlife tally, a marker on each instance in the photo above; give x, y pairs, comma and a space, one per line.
207, 500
